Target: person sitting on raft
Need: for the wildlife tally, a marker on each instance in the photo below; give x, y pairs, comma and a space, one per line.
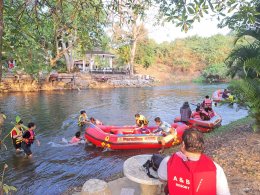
16, 134
83, 118
95, 121
76, 138
28, 139
166, 130
185, 112
196, 114
225, 94
207, 103
141, 123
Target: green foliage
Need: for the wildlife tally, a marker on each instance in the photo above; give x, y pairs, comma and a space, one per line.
37, 34
185, 13
193, 53
215, 72
123, 54
248, 92
244, 63
145, 53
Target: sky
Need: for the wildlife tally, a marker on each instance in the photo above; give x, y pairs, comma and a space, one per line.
206, 28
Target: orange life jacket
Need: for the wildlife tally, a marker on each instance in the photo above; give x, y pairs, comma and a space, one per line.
191, 177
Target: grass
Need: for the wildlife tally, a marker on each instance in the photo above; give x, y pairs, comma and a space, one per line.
225, 128
232, 125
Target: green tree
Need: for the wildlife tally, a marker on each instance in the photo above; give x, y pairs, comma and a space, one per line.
244, 62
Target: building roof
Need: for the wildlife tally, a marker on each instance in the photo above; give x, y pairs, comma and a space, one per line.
103, 53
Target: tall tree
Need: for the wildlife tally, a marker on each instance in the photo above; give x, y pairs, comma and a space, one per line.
128, 23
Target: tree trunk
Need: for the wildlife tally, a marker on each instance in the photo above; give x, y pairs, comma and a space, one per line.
1, 36
67, 56
133, 47
132, 57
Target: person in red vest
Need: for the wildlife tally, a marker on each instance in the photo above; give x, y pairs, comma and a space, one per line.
196, 114
207, 103
190, 172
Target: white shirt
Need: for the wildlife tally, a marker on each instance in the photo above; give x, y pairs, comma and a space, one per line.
222, 185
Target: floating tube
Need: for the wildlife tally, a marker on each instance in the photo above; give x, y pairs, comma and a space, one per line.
125, 138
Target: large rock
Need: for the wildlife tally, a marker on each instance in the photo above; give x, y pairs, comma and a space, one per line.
95, 187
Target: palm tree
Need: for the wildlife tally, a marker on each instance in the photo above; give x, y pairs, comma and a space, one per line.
244, 63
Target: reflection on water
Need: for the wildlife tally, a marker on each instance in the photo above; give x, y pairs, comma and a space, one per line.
55, 169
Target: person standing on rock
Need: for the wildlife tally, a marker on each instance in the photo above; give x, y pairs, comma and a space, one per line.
189, 171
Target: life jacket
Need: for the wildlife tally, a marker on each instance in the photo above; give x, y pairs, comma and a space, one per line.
207, 103
196, 115
31, 139
18, 131
231, 98
191, 177
82, 118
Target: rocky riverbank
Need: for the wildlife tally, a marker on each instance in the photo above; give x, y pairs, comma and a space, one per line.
77, 81
236, 148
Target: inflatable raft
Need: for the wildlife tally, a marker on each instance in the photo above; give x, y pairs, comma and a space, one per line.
126, 138
203, 125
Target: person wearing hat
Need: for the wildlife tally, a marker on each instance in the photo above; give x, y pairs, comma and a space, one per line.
16, 134
185, 112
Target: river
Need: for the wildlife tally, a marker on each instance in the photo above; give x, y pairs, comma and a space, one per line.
56, 167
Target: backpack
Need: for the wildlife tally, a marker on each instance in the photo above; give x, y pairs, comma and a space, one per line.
153, 163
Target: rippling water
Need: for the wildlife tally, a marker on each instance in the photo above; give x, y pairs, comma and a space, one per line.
54, 167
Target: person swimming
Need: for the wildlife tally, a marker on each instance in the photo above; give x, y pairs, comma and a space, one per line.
76, 138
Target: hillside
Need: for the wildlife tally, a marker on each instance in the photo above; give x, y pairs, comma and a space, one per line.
184, 59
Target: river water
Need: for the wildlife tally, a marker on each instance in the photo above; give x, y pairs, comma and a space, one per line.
55, 167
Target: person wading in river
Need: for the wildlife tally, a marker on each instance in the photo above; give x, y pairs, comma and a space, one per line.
16, 134
190, 172
28, 139
83, 118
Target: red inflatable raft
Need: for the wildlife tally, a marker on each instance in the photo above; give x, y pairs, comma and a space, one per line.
126, 138
203, 125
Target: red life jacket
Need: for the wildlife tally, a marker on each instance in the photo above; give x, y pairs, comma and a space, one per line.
30, 140
191, 177
207, 103
196, 115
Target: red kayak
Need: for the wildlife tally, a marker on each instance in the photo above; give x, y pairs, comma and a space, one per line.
203, 125
126, 137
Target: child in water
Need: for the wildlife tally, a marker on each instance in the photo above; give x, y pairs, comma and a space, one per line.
76, 138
